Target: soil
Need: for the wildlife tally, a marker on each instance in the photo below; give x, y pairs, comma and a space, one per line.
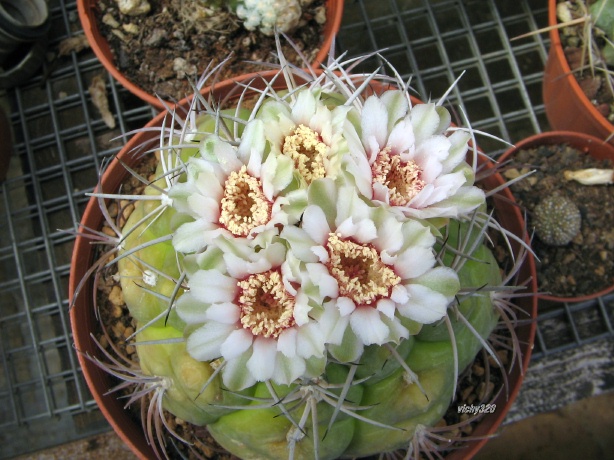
164, 53
593, 78
586, 264
478, 384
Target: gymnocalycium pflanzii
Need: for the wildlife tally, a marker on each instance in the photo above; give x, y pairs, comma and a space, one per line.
309, 269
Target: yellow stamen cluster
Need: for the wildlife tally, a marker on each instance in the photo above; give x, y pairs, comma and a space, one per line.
266, 307
359, 270
308, 152
401, 178
244, 206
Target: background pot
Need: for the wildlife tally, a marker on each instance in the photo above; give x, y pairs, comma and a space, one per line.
583, 142
84, 322
6, 144
23, 27
567, 107
100, 46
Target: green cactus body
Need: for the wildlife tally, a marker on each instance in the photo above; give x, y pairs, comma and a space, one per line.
256, 433
182, 377
382, 363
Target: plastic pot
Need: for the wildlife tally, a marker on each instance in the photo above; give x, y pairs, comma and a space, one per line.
590, 145
567, 107
100, 46
23, 27
84, 321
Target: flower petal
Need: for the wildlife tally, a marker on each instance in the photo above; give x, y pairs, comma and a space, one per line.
191, 310
204, 343
286, 342
425, 305
234, 376
225, 313
237, 343
368, 327
210, 286
191, 236
309, 341
413, 262
345, 306
262, 362
374, 121
315, 224
287, 370
387, 307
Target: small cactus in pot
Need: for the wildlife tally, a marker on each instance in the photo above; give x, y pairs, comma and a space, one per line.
266, 16
309, 267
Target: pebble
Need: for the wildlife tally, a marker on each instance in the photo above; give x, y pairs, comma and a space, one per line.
467, 429
116, 296
485, 390
130, 350
156, 37
126, 211
133, 7
466, 393
108, 231
112, 209
478, 370
118, 329
109, 20
132, 29
128, 331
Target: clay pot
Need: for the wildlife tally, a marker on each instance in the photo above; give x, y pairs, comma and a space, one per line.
591, 146
100, 46
567, 107
84, 322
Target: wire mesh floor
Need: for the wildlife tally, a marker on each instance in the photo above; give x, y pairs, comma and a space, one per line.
61, 140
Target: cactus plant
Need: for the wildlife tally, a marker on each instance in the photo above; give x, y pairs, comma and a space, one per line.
309, 275
266, 16
557, 220
586, 31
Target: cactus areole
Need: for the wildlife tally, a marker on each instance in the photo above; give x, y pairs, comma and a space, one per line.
308, 276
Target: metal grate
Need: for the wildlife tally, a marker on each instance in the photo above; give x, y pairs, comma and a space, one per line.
60, 142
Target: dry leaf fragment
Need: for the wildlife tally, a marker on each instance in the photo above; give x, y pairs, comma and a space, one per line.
98, 93
76, 44
591, 176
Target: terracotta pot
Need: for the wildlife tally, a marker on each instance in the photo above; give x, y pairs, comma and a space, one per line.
580, 141
84, 322
567, 107
510, 217
87, 15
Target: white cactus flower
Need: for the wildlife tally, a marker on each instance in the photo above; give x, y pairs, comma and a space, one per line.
407, 160
249, 308
376, 269
309, 133
231, 191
